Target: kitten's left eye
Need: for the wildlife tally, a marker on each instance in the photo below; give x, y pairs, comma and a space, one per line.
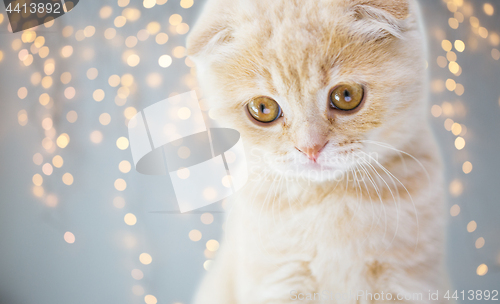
264, 109
347, 97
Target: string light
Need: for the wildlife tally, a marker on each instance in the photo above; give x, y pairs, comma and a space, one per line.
69, 237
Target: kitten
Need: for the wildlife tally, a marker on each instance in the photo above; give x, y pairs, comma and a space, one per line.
345, 194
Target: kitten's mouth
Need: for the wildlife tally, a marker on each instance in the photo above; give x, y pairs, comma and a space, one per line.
334, 161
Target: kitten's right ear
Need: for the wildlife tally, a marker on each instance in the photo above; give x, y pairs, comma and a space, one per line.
212, 29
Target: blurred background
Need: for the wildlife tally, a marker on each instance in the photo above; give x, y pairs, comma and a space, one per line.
78, 224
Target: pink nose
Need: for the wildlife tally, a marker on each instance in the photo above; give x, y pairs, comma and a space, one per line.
312, 152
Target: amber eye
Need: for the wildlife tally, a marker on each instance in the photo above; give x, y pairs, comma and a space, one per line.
347, 97
264, 109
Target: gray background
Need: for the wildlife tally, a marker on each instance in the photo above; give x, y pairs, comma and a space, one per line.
38, 266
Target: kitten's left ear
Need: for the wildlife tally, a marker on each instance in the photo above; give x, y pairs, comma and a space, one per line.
213, 28
380, 17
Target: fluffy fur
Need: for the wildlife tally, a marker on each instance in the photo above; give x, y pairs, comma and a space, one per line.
371, 220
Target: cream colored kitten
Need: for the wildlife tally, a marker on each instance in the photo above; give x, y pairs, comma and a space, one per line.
345, 194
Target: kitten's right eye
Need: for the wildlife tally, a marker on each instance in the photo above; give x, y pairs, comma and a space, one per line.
264, 109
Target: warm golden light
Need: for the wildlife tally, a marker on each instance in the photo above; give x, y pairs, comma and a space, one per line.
114, 80
67, 51
150, 299
459, 89
488, 9
122, 143
38, 191
92, 73
104, 119
471, 226
67, 179
129, 112
137, 274
459, 143
37, 180
65, 77
57, 161
105, 12
69, 92
67, 31
212, 245
72, 116
495, 54
130, 219
47, 82
453, 23
96, 137
161, 38
98, 95
467, 167
480, 243
133, 60
89, 31
175, 19
120, 21
153, 27
63, 140
110, 33
483, 32
149, 4
482, 270
22, 93
456, 188
179, 52
436, 111
207, 218
127, 80
182, 28
154, 80
455, 210
186, 3
120, 184
194, 235
22, 117
47, 169
145, 258
131, 41
456, 129
124, 166
451, 84
165, 61
38, 159
123, 3
446, 45
132, 14
207, 265
69, 237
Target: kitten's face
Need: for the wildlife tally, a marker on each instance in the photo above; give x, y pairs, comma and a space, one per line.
307, 84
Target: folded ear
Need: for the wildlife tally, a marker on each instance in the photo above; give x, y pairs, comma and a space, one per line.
399, 9
380, 17
212, 29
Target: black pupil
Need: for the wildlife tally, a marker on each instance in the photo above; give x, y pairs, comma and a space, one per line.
262, 107
347, 94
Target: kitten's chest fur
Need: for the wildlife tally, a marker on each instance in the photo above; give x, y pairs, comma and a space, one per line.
321, 238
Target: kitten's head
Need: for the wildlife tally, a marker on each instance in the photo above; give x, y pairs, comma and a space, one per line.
313, 84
